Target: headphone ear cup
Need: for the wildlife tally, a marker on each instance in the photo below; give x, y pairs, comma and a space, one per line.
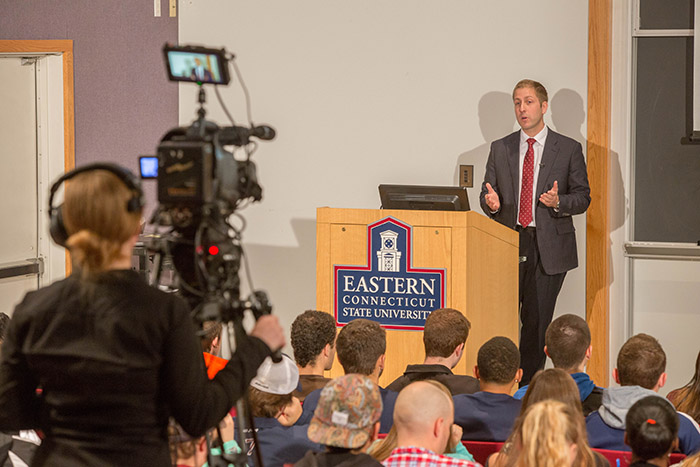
57, 228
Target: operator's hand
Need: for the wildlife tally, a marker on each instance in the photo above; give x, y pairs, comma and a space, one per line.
491, 198
551, 197
268, 330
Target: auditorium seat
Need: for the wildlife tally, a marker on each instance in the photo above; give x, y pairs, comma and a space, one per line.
481, 450
624, 457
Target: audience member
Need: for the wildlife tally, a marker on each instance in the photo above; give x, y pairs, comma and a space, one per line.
444, 337
346, 423
186, 451
640, 371
313, 341
488, 415
276, 411
555, 384
16, 447
423, 417
651, 431
687, 398
550, 384
361, 349
568, 345
381, 449
551, 434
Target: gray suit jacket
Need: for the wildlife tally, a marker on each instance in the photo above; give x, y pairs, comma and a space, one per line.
562, 160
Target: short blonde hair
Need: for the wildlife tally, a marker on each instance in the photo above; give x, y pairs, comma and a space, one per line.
540, 90
96, 219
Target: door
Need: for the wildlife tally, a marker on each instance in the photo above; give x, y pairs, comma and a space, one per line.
20, 262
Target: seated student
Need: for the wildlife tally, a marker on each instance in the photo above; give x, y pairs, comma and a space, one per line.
444, 337
687, 398
640, 372
361, 349
488, 415
313, 341
186, 451
382, 448
550, 384
276, 412
651, 431
568, 345
551, 433
346, 423
423, 417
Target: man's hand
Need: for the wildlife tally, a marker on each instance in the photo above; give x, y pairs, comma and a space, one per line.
455, 434
268, 330
491, 198
551, 198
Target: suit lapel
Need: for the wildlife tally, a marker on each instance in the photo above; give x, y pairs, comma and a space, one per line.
513, 146
551, 150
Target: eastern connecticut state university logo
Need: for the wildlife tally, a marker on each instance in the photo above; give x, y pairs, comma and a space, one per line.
388, 289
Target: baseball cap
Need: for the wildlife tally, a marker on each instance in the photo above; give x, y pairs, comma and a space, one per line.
276, 378
347, 408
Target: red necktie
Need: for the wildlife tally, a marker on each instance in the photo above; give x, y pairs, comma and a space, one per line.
525, 215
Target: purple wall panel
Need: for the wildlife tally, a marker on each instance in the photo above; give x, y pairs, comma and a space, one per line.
123, 100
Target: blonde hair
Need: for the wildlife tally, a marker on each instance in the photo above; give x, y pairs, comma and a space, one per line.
96, 219
544, 435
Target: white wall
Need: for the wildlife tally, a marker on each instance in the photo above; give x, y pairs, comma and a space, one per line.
382, 91
657, 297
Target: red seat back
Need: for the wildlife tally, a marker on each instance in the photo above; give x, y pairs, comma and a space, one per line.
625, 457
481, 450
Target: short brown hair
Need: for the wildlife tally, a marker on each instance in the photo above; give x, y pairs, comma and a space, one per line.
567, 339
210, 331
552, 383
311, 331
498, 360
265, 404
641, 361
540, 90
445, 329
359, 345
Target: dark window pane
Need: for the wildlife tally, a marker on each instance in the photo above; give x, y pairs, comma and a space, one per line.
667, 173
666, 14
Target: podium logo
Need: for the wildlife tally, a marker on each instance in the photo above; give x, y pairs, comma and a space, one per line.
388, 289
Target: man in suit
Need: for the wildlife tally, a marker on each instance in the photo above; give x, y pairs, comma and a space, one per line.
200, 72
535, 181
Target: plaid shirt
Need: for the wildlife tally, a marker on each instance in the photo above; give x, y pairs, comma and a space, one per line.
413, 456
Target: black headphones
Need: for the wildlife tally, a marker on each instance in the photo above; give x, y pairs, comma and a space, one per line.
135, 203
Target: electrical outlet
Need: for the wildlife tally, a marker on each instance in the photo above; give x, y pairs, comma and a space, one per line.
466, 176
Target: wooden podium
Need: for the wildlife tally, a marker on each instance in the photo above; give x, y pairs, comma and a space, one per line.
479, 257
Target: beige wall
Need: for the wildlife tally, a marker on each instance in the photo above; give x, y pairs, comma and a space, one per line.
383, 91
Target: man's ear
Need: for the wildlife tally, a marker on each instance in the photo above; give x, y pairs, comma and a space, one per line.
476, 371
326, 351
546, 352
589, 352
458, 351
545, 106
662, 380
625, 440
519, 375
616, 376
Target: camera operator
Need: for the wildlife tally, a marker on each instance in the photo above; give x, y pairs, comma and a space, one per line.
100, 360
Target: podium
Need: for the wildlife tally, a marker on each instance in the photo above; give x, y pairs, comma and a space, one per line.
462, 259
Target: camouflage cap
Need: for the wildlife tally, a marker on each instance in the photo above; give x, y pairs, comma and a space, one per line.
348, 408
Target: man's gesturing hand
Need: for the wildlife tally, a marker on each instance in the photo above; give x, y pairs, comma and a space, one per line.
268, 330
492, 199
551, 197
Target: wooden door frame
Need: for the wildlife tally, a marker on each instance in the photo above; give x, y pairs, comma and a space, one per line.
598, 255
65, 48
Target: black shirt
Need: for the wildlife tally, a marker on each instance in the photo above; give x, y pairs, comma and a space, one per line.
457, 384
111, 361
